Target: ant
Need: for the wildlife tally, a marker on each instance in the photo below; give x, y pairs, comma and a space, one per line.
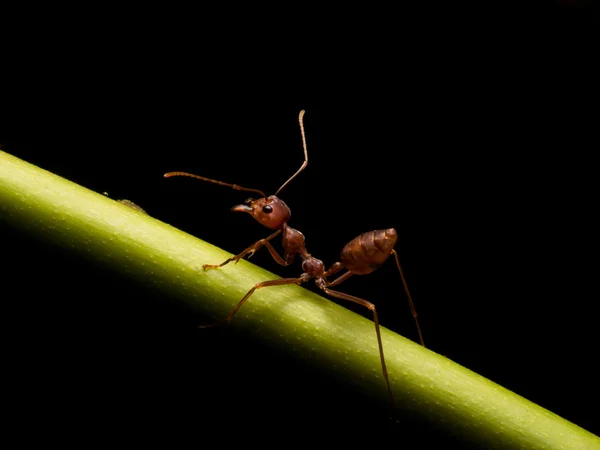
360, 256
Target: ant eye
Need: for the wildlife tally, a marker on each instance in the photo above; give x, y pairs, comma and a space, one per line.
267, 209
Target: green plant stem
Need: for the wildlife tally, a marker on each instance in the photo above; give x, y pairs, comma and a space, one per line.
326, 334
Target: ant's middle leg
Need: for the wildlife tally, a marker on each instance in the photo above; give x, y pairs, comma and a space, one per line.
279, 282
250, 251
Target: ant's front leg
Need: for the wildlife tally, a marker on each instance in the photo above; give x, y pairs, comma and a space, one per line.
250, 251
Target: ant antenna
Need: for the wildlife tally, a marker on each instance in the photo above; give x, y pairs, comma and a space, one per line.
304, 164
210, 180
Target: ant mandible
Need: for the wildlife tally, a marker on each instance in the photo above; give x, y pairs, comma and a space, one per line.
360, 256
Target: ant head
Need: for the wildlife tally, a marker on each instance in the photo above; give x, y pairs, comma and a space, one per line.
271, 211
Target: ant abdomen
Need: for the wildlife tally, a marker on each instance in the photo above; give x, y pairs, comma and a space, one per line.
367, 252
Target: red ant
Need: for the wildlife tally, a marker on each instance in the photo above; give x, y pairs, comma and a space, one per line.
360, 256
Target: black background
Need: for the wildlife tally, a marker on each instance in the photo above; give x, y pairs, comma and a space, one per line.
470, 142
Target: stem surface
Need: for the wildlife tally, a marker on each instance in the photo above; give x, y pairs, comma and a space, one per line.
323, 333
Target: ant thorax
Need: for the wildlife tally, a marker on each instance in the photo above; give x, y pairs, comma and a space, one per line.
293, 244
